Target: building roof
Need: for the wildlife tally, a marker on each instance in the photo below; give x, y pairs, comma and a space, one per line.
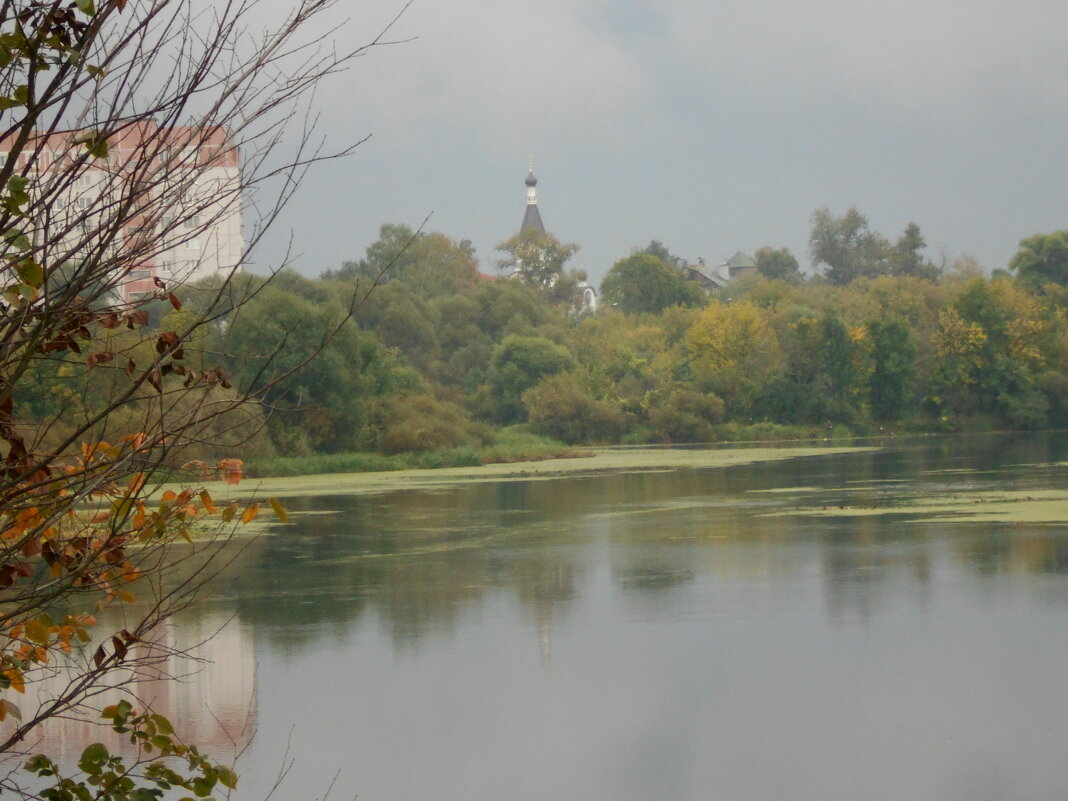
532, 219
739, 260
708, 276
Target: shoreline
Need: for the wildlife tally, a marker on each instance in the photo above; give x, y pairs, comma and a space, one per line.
598, 462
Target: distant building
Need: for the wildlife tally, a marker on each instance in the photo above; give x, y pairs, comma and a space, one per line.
739, 264
590, 301
170, 195
532, 217
710, 278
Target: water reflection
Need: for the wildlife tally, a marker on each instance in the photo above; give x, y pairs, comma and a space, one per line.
199, 671
421, 561
677, 634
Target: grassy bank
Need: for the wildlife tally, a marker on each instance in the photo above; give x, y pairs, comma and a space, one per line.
595, 461
511, 445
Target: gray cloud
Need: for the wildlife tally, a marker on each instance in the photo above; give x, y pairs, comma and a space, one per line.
710, 126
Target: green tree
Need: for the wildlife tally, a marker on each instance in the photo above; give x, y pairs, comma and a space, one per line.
538, 260
318, 403
826, 372
1042, 259
428, 264
778, 265
891, 384
518, 364
642, 283
659, 249
847, 246
561, 407
907, 258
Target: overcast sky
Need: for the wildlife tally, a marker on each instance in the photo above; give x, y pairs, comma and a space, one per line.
711, 126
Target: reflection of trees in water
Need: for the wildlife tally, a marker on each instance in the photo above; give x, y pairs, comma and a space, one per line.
420, 560
864, 565
997, 548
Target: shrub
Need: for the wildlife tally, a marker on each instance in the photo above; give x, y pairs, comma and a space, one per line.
421, 423
686, 416
562, 408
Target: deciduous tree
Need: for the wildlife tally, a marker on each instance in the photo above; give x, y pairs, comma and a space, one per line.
538, 260
1042, 259
847, 246
643, 283
83, 520
778, 265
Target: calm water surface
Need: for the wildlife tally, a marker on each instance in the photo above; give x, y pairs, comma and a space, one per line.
664, 635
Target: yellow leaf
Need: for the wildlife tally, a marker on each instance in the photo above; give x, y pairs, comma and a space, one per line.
126, 595
37, 631
279, 510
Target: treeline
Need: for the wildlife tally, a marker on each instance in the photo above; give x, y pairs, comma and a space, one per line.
416, 351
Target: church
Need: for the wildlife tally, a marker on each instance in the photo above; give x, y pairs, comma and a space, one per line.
532, 222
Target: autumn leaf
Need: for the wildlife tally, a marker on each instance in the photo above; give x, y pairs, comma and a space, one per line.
279, 510
250, 513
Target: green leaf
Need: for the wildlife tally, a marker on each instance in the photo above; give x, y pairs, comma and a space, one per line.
86, 7
98, 149
227, 777
30, 272
15, 237
12, 710
163, 725
93, 757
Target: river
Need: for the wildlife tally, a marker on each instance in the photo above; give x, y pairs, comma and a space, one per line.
885, 624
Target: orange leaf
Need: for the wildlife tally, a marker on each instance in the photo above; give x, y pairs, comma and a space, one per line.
136, 483
250, 513
206, 501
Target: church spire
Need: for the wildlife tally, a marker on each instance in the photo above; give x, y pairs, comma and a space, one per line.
532, 217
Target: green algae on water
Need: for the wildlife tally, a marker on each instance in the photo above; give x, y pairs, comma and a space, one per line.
597, 462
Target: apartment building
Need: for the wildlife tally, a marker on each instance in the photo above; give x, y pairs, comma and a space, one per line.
157, 204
